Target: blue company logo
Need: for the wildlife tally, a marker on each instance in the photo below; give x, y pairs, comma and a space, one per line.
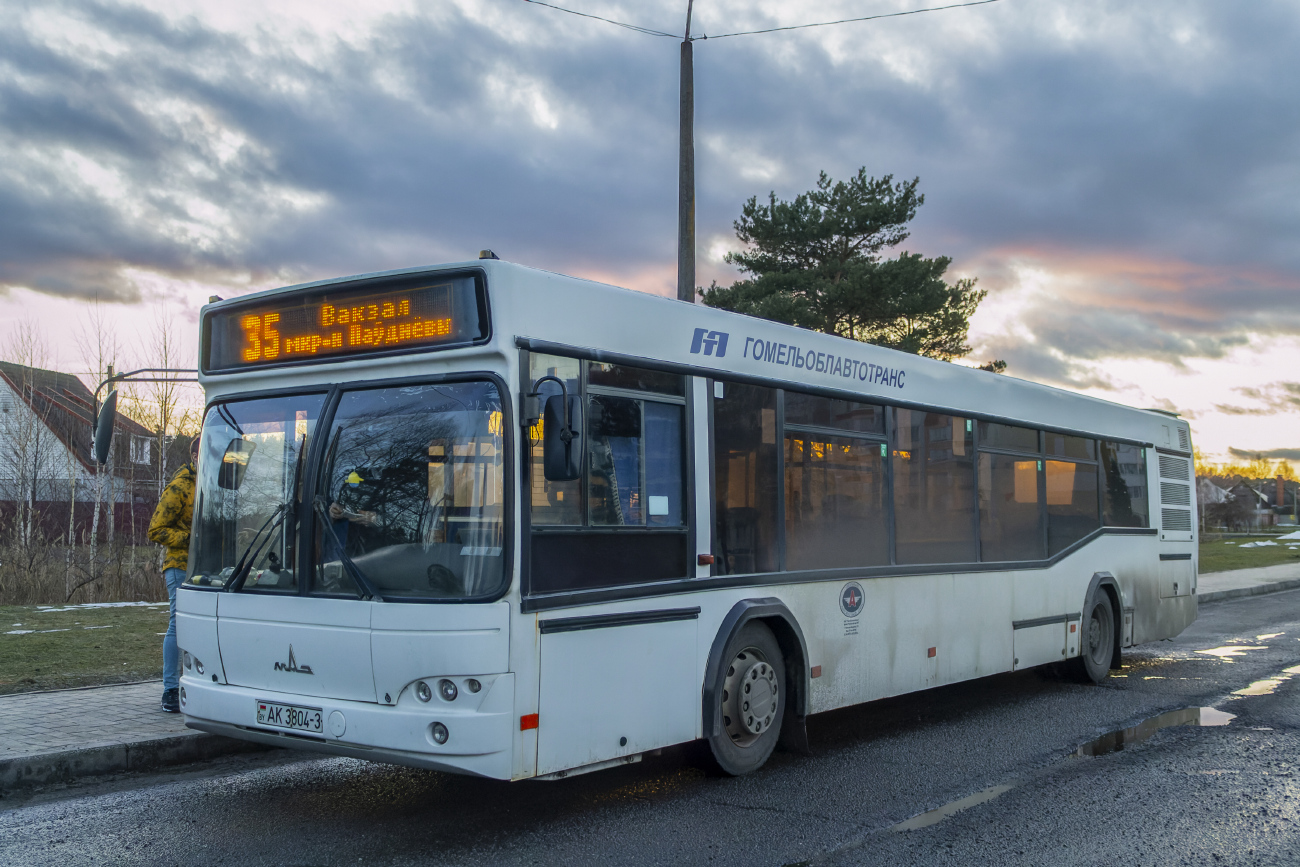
852, 599
707, 341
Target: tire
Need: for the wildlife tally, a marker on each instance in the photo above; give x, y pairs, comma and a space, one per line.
751, 700
1097, 641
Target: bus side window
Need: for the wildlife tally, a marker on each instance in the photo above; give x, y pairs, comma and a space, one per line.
1124, 492
553, 503
745, 466
934, 488
1071, 503
1011, 510
633, 487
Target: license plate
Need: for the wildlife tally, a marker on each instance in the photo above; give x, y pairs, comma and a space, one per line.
287, 716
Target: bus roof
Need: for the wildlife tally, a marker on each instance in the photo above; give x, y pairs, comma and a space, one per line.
546, 311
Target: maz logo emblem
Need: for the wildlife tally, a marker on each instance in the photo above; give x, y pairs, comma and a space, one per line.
293, 665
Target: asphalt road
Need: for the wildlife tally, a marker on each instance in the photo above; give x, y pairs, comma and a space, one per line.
1226, 794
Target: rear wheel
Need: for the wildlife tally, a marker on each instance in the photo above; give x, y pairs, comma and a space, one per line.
1097, 643
751, 701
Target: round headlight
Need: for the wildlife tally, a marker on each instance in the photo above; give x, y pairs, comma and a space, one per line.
198, 666
188, 662
422, 691
447, 690
473, 685
440, 733
182, 695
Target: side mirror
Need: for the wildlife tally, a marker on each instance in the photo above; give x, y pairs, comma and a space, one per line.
561, 451
234, 463
104, 427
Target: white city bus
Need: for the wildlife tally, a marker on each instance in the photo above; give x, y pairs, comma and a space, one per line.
493, 520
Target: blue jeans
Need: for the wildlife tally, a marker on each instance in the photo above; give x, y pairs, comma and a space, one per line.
172, 656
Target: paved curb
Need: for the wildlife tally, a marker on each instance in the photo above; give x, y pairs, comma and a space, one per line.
1255, 590
67, 765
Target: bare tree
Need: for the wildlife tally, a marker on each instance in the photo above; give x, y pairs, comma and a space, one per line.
29, 459
99, 352
26, 434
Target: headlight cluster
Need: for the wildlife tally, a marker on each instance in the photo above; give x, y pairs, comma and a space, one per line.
448, 690
192, 662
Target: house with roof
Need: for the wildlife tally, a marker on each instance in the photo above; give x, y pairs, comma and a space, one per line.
46, 463
1256, 505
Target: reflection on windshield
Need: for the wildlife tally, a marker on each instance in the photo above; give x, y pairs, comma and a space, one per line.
250, 478
412, 493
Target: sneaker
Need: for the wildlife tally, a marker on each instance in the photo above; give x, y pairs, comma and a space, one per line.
171, 701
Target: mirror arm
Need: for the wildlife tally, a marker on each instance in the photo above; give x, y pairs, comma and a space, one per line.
533, 403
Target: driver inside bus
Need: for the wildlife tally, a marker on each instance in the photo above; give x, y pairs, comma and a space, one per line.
348, 508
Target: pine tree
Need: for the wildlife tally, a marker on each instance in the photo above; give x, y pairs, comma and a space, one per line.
817, 262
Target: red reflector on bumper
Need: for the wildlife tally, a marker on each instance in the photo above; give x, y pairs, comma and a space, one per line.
527, 721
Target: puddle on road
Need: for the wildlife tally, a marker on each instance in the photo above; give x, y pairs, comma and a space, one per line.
1113, 742
932, 817
1269, 685
1266, 636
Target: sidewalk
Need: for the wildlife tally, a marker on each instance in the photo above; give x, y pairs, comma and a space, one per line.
1215, 586
48, 737
58, 736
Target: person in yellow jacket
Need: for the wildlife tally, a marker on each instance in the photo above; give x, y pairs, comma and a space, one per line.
170, 527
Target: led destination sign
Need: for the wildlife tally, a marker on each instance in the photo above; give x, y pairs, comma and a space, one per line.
346, 322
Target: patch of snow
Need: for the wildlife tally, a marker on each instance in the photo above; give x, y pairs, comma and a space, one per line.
44, 608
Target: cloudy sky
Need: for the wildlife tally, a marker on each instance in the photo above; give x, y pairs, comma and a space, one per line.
1122, 177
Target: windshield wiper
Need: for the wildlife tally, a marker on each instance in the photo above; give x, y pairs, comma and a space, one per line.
358, 577
244, 564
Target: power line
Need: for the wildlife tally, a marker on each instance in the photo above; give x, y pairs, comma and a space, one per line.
651, 32
635, 27
850, 20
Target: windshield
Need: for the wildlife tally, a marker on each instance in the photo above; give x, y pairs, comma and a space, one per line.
250, 481
411, 495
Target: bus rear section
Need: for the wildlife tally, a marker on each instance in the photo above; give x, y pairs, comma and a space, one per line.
349, 551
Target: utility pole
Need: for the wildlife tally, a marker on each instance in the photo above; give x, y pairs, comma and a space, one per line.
686, 172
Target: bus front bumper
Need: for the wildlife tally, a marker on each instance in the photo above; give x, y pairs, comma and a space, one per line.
479, 738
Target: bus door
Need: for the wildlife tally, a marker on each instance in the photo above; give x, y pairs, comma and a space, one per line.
622, 679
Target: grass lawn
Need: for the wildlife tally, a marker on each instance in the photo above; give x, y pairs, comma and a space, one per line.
56, 646
1225, 554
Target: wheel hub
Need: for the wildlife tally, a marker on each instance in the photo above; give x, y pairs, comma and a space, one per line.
749, 697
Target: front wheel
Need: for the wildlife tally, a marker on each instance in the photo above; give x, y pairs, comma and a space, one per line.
1098, 640
751, 703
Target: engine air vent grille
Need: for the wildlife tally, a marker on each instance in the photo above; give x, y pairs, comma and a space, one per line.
1175, 468
1175, 495
1176, 520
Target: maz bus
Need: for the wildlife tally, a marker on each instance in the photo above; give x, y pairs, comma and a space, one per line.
497, 521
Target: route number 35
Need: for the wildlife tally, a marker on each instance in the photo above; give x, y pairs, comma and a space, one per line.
263, 339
